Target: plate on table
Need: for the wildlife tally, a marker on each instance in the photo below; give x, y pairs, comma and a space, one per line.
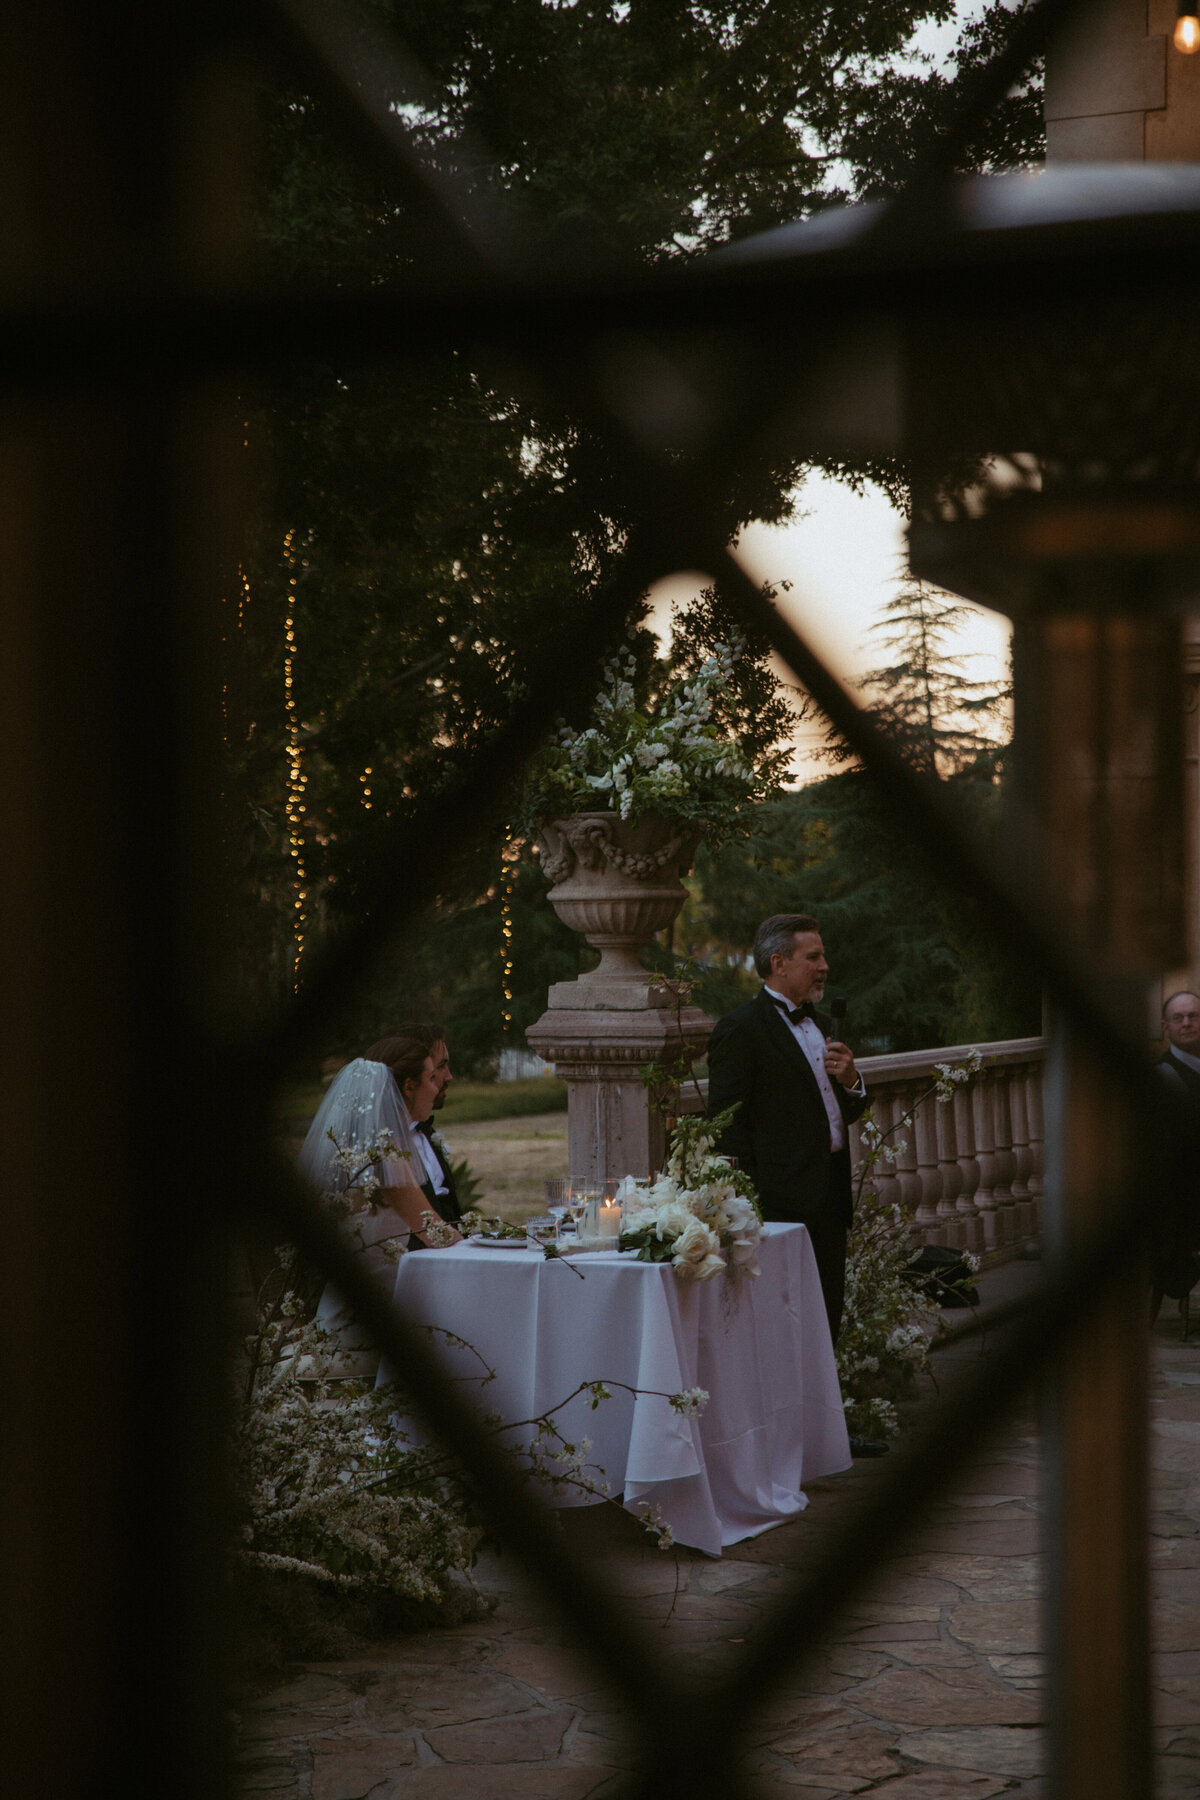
500, 1243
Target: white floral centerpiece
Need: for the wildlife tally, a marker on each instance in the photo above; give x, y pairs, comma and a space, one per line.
701, 1215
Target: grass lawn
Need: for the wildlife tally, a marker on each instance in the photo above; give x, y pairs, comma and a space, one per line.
469, 1100
510, 1158
466, 1100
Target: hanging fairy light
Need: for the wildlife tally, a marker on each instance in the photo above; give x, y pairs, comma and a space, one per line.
509, 857
297, 781
365, 778
1187, 28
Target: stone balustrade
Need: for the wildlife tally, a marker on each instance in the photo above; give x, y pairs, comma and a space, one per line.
970, 1172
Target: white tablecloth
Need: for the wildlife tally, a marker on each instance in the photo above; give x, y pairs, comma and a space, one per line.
760, 1347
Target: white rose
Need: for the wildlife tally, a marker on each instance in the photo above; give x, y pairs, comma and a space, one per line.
698, 1271
697, 1251
674, 1219
738, 1216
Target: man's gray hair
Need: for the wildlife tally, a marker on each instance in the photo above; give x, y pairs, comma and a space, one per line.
774, 938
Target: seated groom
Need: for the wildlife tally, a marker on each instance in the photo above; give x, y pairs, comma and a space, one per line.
434, 1176
798, 1092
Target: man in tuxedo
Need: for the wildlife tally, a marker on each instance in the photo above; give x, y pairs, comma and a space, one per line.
798, 1092
1176, 1253
439, 1182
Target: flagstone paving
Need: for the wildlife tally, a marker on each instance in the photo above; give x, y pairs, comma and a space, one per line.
930, 1687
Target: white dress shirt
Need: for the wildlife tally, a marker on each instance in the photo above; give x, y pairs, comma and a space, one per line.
433, 1168
1185, 1056
809, 1036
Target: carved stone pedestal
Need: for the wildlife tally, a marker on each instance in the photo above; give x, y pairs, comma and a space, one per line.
613, 1125
617, 883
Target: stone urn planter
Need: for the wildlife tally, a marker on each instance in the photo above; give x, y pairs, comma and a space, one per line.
616, 883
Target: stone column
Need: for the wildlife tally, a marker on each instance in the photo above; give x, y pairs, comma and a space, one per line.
614, 1122
617, 883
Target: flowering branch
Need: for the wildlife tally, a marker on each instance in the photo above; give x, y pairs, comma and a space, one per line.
884, 1338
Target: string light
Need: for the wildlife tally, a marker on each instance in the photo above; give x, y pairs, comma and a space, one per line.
366, 792
297, 780
509, 858
1187, 28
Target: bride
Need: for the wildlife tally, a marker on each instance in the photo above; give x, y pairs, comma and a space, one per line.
369, 1101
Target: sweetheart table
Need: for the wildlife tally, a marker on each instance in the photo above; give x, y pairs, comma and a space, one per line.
760, 1348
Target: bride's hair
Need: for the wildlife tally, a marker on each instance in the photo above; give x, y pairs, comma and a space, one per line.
404, 1051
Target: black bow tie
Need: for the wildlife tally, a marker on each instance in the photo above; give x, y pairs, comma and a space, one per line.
425, 1127
793, 1014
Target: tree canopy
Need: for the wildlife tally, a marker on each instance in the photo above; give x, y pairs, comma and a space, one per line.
913, 957
420, 520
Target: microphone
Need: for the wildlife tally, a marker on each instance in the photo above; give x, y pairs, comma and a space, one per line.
837, 1013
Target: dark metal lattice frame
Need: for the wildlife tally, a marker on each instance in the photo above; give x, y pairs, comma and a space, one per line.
166, 338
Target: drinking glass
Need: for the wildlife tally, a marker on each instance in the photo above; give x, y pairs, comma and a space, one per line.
558, 1197
582, 1193
541, 1231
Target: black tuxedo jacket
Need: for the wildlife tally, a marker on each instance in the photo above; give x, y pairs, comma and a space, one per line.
445, 1205
1175, 1246
780, 1132
1183, 1079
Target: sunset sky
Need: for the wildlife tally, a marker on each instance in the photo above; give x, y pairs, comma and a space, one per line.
844, 558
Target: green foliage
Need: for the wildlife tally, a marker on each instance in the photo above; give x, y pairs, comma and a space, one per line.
423, 519
914, 960
917, 964
468, 1100
911, 105
687, 743
884, 1338
467, 1184
882, 1343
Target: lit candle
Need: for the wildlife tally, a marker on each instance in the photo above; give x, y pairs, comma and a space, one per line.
610, 1219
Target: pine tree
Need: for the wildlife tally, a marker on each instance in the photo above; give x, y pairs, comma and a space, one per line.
942, 722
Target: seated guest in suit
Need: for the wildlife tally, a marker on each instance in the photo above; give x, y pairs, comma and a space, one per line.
1181, 1059
1175, 1258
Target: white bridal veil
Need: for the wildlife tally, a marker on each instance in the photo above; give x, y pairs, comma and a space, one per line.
363, 1100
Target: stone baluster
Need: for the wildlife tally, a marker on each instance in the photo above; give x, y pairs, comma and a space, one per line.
969, 1228
926, 1141
983, 1112
1006, 1212
907, 1178
883, 1178
1018, 1104
949, 1179
1033, 1105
